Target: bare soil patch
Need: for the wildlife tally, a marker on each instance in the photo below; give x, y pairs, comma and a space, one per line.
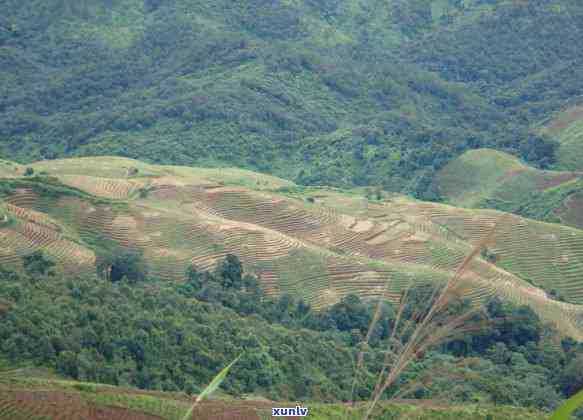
63, 406
555, 181
565, 119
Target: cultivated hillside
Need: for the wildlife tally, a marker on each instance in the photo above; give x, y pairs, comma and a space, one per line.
41, 398
486, 178
318, 244
335, 92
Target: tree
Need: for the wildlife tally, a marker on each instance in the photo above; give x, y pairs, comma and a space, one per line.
350, 313
285, 308
539, 149
37, 263
514, 326
319, 321
487, 254
190, 388
419, 300
67, 364
302, 309
571, 380
230, 271
523, 326
497, 388
500, 354
124, 263
568, 344
45, 350
193, 278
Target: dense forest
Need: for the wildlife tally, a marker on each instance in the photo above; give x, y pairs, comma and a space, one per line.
129, 329
331, 92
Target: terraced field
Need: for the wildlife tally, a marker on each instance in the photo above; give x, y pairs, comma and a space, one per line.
319, 244
487, 178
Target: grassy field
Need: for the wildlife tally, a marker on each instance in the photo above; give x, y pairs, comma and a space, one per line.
316, 243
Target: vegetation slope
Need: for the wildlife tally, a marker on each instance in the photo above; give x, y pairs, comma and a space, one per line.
120, 272
141, 332
566, 127
335, 92
316, 244
486, 178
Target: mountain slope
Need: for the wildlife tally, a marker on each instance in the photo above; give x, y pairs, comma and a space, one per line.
486, 178
325, 93
566, 127
522, 54
317, 244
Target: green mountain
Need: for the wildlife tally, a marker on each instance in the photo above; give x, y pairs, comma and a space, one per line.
336, 92
121, 272
325, 191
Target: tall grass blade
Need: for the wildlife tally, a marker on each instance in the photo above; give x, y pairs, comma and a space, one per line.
428, 326
211, 387
568, 408
364, 344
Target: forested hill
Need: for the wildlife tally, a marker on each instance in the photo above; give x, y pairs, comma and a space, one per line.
340, 92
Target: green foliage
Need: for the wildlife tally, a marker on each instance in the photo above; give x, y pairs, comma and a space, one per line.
338, 93
36, 263
571, 379
155, 335
162, 336
500, 50
120, 263
351, 314
488, 255
231, 271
